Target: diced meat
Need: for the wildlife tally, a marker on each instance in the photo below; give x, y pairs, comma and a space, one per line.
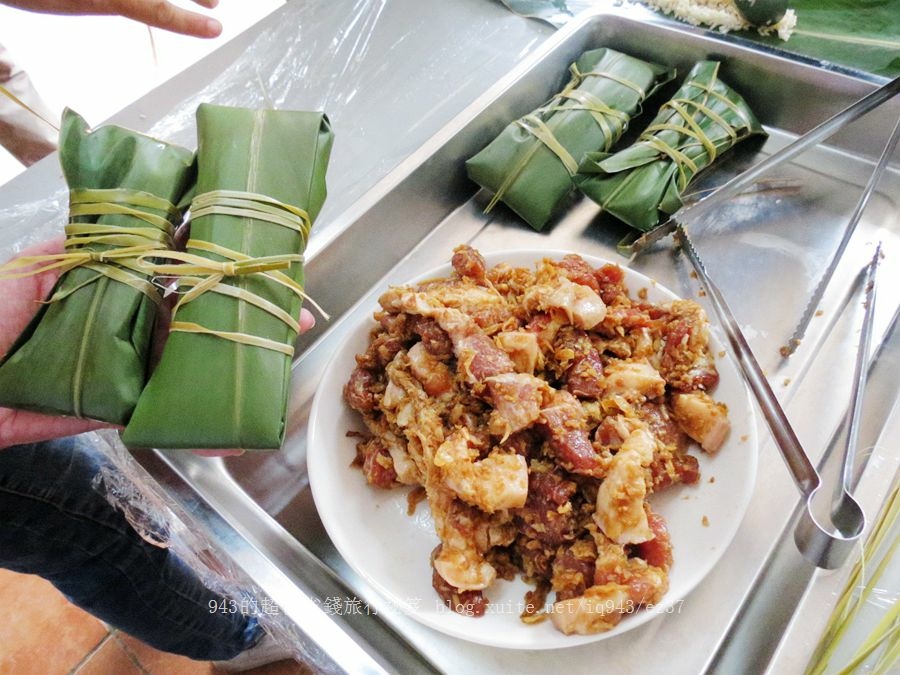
584, 377
537, 410
467, 603
499, 481
476, 354
635, 381
435, 376
548, 515
702, 418
686, 363
482, 304
376, 462
581, 305
469, 263
360, 390
522, 347
579, 271
464, 568
573, 569
517, 399
658, 550
564, 425
610, 283
598, 609
669, 469
621, 585
478, 358
434, 339
663, 426
620, 500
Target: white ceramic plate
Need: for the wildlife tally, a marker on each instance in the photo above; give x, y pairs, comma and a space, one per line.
372, 531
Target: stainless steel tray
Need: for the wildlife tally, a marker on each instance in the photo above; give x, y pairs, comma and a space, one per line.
766, 250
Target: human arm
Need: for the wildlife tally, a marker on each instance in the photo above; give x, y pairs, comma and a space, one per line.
156, 13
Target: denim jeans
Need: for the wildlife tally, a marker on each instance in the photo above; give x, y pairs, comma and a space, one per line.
55, 524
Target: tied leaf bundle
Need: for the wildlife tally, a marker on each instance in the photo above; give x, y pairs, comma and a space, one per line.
85, 353
224, 375
530, 165
648, 179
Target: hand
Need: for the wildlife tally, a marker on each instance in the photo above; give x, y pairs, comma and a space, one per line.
156, 13
20, 298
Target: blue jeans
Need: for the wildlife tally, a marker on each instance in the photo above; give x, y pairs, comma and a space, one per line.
54, 524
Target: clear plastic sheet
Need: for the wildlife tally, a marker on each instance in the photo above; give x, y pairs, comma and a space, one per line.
161, 522
319, 55
36, 221
313, 55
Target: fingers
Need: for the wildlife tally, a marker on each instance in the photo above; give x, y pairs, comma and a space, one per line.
161, 14
46, 247
21, 426
307, 320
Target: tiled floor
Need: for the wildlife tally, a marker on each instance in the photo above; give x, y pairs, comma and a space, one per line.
43, 634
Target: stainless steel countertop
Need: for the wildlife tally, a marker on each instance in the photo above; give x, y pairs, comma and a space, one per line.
397, 77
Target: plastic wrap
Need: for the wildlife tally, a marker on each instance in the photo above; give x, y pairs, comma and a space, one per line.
318, 55
160, 522
309, 55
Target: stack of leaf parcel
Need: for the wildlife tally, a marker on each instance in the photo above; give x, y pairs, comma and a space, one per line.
258, 180
538, 160
530, 165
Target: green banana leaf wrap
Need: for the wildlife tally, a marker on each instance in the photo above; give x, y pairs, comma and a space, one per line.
224, 375
646, 180
530, 165
85, 353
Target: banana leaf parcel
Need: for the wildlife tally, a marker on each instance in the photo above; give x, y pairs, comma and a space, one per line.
646, 180
223, 378
85, 353
530, 165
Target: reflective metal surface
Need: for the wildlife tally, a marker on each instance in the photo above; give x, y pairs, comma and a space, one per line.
765, 248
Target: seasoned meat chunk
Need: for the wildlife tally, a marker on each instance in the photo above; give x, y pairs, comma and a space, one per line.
469, 263
702, 418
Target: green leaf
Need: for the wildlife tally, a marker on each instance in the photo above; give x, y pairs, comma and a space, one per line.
646, 180
859, 34
209, 391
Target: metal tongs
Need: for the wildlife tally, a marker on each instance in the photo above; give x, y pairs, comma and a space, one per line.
748, 178
825, 545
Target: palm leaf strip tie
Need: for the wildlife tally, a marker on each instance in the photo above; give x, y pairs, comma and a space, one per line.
611, 122
531, 164
134, 250
19, 102
203, 275
124, 261
639, 183
692, 129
